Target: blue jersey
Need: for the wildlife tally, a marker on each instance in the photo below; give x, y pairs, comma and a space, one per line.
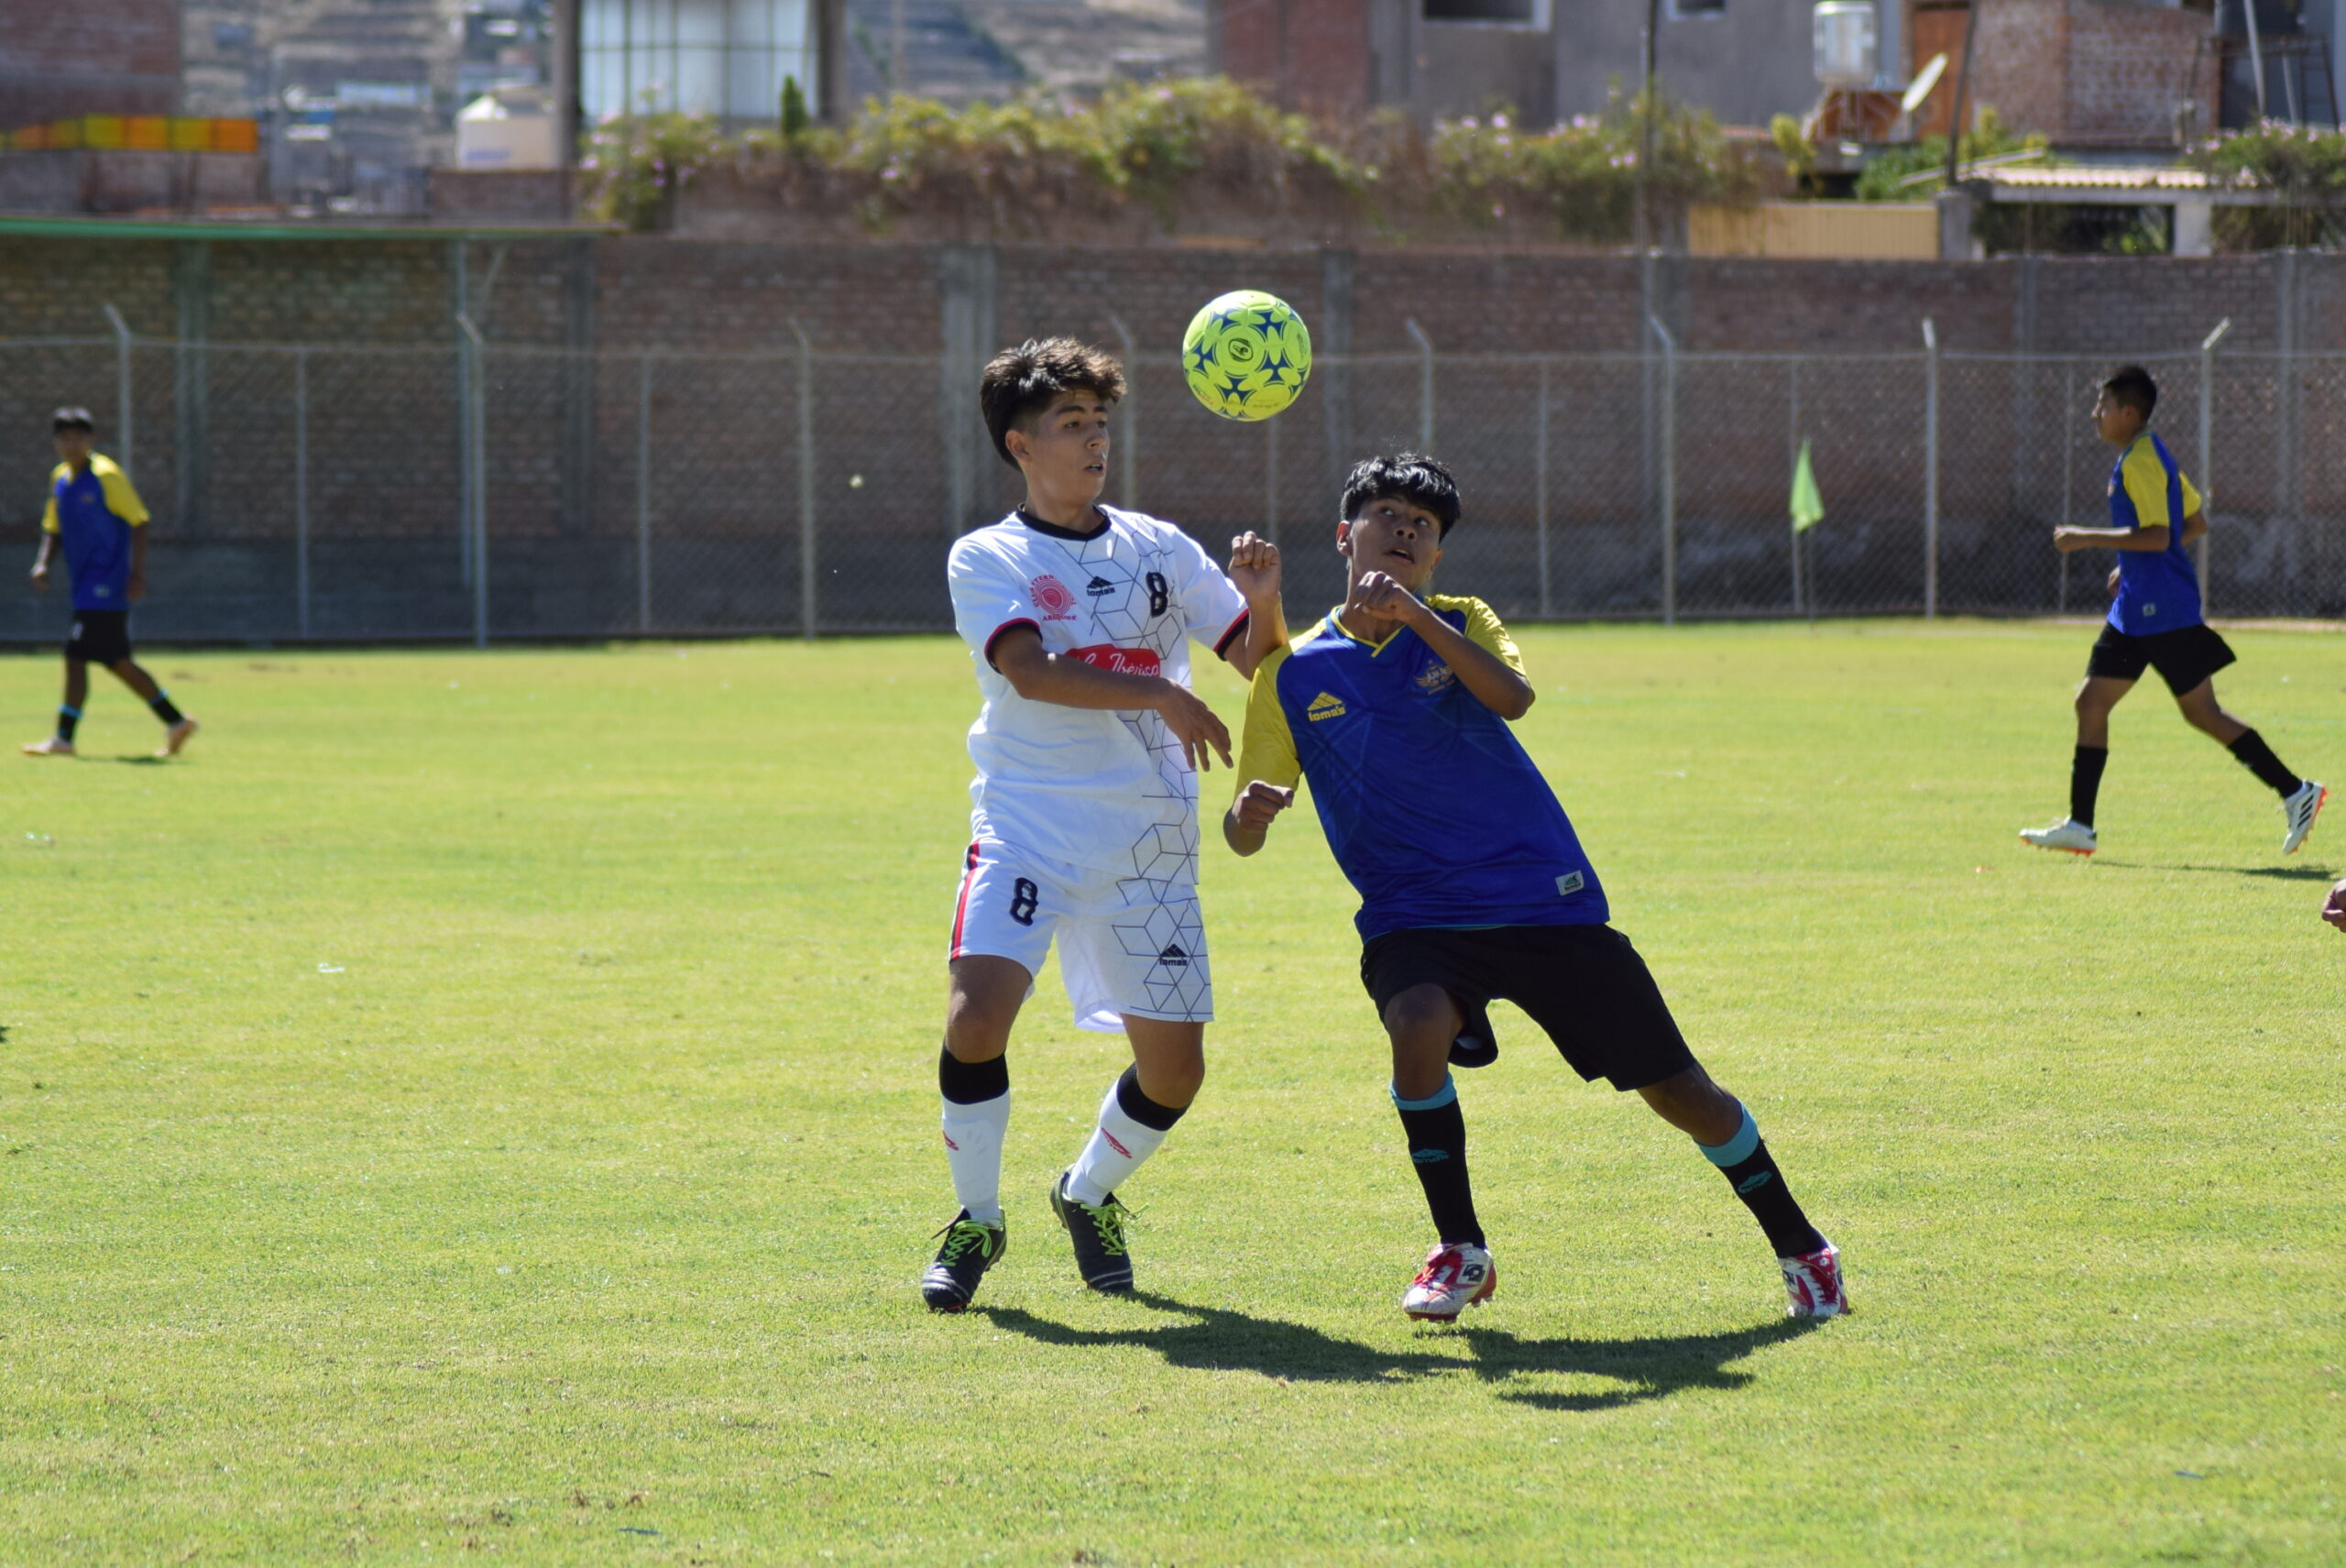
93, 513
2157, 590
1433, 809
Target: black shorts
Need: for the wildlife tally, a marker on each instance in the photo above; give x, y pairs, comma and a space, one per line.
2183, 657
99, 636
1584, 985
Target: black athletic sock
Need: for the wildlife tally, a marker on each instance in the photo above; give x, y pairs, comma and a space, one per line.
2085, 782
1436, 1129
2258, 759
163, 708
1751, 1170
67, 717
1136, 1104
971, 1083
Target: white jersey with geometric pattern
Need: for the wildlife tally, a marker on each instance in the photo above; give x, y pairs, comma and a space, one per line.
1100, 788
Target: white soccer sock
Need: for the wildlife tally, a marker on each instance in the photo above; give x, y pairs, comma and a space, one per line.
973, 1147
1118, 1146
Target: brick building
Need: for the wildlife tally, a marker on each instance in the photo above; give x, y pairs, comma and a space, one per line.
95, 56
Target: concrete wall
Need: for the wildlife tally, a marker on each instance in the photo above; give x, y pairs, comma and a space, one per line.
93, 57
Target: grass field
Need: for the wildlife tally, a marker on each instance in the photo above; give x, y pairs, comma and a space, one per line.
487, 1103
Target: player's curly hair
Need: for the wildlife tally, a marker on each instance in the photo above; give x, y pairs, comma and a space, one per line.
1411, 476
2130, 386
1022, 382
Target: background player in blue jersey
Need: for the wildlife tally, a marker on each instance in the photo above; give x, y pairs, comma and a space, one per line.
1472, 885
2154, 620
102, 525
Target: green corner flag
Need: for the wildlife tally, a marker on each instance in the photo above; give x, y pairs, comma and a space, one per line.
1808, 506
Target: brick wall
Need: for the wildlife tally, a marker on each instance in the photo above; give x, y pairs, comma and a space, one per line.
2092, 70
1325, 52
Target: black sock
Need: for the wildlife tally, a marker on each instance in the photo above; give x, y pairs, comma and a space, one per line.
2085, 782
1139, 1106
2258, 759
67, 717
1751, 1170
163, 708
1436, 1129
971, 1082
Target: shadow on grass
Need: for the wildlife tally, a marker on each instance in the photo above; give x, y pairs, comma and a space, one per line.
2279, 873
1217, 1339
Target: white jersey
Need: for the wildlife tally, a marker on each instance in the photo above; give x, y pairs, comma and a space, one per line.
1105, 789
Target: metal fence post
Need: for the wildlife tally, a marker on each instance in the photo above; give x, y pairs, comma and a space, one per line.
1668, 471
302, 487
1791, 388
1128, 423
2207, 444
2068, 487
476, 465
805, 481
125, 443
643, 494
1425, 385
1930, 470
1539, 490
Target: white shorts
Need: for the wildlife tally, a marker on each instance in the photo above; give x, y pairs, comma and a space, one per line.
1127, 945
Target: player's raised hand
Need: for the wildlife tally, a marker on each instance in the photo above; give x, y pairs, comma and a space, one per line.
1258, 803
1378, 595
2335, 910
1254, 566
1194, 725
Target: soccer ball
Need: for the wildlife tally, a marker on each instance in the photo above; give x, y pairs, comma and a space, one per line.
1246, 354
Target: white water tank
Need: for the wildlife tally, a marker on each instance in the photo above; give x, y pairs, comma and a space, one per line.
1846, 43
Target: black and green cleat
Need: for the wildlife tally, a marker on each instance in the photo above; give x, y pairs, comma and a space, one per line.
970, 1248
1101, 1255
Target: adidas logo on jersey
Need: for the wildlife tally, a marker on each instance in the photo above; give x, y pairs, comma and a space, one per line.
1325, 706
1098, 588
1173, 957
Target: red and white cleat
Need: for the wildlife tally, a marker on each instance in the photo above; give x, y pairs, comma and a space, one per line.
2069, 834
2302, 808
1452, 1278
1812, 1281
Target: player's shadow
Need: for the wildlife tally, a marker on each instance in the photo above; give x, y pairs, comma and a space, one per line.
1527, 1371
2278, 874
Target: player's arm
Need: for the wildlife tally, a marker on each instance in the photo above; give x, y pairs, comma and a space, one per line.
2068, 541
122, 499
136, 588
1255, 572
1266, 761
1040, 675
1495, 684
47, 550
2193, 527
2145, 482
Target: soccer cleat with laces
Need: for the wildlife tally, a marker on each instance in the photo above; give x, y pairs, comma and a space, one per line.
1098, 1231
970, 1248
1812, 1281
2302, 808
1454, 1277
2067, 834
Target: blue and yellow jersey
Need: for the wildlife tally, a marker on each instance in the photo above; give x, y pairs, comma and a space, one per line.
1433, 809
93, 513
2157, 590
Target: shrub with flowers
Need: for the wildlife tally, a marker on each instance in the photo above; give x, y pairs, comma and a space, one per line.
634, 164
2304, 165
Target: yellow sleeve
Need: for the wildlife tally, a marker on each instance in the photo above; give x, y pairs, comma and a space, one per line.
2190, 497
1483, 629
122, 499
2146, 487
1267, 751
48, 524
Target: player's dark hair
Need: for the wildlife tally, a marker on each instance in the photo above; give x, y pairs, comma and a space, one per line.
72, 419
1410, 476
1024, 381
2130, 386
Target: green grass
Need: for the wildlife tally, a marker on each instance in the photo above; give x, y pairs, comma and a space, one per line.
488, 1102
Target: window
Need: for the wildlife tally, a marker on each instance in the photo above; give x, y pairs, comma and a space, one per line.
1503, 13
726, 57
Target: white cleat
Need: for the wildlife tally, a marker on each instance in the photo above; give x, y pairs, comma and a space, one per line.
177, 737
1812, 1281
1451, 1280
2302, 808
2069, 834
52, 747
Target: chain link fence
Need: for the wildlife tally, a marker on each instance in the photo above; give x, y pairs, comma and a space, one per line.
482, 491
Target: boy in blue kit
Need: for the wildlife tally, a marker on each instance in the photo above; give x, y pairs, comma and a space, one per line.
1472, 885
2154, 620
102, 524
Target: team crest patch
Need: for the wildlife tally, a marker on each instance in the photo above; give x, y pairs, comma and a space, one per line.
1324, 706
1052, 597
1435, 677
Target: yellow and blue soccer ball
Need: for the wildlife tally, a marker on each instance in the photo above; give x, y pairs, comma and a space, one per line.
1246, 354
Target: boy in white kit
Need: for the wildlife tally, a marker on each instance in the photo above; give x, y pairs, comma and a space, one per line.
1085, 827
